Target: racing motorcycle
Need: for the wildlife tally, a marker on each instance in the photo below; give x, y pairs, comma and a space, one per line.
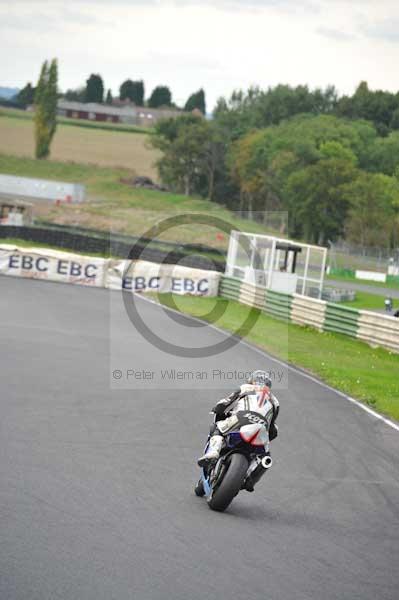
242, 462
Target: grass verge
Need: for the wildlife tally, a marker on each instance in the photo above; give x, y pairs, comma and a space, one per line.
366, 301
370, 375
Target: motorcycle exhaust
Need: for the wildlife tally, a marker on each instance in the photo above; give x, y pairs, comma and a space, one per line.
267, 462
261, 468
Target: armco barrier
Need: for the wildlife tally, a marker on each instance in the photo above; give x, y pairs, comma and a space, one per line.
137, 276
379, 330
341, 319
230, 288
252, 295
372, 328
308, 311
278, 305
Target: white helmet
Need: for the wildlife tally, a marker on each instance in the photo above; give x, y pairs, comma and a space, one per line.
260, 378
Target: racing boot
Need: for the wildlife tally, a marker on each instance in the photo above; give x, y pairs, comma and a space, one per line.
213, 452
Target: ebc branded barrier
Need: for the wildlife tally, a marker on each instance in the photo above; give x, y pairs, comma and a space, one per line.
135, 276
51, 265
143, 276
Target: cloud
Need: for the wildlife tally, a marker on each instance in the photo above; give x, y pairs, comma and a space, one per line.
387, 30
45, 21
336, 34
184, 60
217, 4
216, 44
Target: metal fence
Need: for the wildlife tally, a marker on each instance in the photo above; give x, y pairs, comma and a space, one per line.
349, 256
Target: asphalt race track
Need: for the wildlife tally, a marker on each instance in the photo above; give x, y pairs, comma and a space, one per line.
96, 483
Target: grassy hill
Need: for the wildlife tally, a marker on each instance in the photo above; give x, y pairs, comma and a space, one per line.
116, 206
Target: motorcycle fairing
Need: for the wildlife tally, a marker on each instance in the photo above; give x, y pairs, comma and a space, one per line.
254, 434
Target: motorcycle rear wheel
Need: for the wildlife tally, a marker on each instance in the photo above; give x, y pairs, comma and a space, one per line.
231, 483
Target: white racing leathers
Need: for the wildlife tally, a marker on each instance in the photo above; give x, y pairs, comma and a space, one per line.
262, 402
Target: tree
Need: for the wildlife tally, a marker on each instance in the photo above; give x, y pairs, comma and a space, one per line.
376, 106
94, 89
190, 152
299, 166
256, 108
394, 124
259, 173
77, 95
26, 96
109, 97
132, 90
161, 96
46, 108
372, 199
196, 101
384, 155
316, 202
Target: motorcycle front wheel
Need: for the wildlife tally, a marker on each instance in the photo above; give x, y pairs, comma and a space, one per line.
199, 489
231, 483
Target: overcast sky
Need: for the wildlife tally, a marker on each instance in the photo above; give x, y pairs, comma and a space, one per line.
220, 45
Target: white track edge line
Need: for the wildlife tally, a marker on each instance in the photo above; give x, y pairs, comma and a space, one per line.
364, 407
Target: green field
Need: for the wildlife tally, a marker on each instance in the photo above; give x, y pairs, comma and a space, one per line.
371, 375
113, 205
88, 144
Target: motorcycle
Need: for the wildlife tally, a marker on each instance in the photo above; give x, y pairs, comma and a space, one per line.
242, 462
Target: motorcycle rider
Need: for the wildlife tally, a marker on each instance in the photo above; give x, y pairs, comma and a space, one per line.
254, 395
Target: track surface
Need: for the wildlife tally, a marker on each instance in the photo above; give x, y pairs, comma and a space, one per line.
96, 485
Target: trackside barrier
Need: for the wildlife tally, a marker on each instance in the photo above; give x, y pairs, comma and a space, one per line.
308, 311
278, 305
341, 319
373, 328
379, 330
252, 295
41, 263
52, 265
132, 275
230, 288
142, 276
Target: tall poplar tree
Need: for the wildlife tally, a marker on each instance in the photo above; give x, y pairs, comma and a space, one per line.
46, 108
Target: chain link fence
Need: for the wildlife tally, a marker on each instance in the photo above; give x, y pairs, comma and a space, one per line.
353, 257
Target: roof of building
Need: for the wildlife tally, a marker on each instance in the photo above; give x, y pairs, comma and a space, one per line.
106, 109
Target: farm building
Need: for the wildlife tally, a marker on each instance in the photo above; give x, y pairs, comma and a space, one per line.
135, 115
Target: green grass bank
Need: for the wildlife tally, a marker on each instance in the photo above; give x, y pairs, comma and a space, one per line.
115, 206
